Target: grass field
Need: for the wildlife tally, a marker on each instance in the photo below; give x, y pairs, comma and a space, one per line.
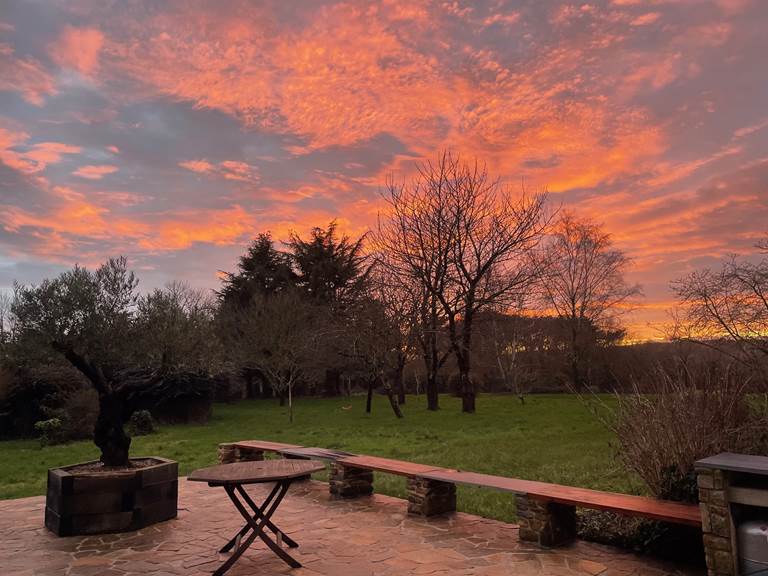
551, 438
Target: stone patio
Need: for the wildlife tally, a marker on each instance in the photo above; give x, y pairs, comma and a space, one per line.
361, 537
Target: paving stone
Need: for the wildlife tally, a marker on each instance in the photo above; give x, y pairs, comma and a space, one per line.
360, 537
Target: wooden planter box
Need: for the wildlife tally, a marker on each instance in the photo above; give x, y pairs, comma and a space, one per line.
111, 502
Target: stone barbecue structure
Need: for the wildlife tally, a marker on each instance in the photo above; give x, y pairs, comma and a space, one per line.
733, 488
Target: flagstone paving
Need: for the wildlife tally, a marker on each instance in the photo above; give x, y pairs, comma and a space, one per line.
368, 536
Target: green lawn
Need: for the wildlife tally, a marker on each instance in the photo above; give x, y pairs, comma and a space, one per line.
552, 438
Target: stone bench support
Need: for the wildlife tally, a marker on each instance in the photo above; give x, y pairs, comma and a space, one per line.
350, 482
430, 497
229, 453
546, 523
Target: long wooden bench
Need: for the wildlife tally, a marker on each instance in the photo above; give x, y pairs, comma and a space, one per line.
546, 512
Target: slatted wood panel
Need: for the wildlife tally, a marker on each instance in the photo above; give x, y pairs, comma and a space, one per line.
675, 512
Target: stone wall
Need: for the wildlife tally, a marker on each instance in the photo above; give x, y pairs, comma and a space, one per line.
546, 523
719, 546
430, 497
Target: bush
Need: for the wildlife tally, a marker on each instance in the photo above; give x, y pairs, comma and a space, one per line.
141, 423
49, 431
38, 393
674, 418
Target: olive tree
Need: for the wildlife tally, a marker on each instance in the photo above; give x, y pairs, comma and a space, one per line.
87, 317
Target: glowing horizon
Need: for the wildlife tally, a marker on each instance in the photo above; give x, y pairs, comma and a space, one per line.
174, 132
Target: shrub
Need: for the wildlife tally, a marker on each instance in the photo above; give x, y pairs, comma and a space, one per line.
141, 423
49, 431
35, 394
674, 418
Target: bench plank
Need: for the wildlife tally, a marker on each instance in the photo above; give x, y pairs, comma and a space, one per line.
316, 453
668, 511
265, 445
665, 510
398, 467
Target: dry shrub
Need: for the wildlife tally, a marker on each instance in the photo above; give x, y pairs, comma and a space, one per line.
672, 418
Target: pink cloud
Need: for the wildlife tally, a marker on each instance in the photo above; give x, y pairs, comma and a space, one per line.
26, 76
95, 172
228, 169
645, 19
78, 49
199, 166
34, 158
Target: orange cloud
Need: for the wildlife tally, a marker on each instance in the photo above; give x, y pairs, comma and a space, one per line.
78, 49
95, 172
75, 219
183, 229
348, 75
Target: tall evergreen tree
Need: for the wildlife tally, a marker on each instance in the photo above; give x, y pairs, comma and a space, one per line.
262, 271
332, 269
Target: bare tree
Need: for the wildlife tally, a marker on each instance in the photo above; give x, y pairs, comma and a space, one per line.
400, 303
727, 309
582, 282
420, 316
277, 336
373, 346
506, 336
466, 241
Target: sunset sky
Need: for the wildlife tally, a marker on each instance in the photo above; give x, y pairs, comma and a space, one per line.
174, 132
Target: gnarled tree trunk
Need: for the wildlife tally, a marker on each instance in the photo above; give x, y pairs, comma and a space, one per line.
109, 432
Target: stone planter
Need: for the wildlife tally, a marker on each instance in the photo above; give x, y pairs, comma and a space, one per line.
119, 501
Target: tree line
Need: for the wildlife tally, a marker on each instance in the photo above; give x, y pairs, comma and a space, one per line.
458, 267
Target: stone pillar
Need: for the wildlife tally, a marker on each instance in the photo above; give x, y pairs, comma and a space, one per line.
229, 453
546, 523
430, 497
719, 546
226, 453
244, 454
350, 482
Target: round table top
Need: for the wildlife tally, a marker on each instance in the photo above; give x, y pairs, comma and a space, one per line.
257, 471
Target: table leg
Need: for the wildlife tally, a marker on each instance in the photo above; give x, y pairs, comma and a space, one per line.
257, 512
244, 530
257, 527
